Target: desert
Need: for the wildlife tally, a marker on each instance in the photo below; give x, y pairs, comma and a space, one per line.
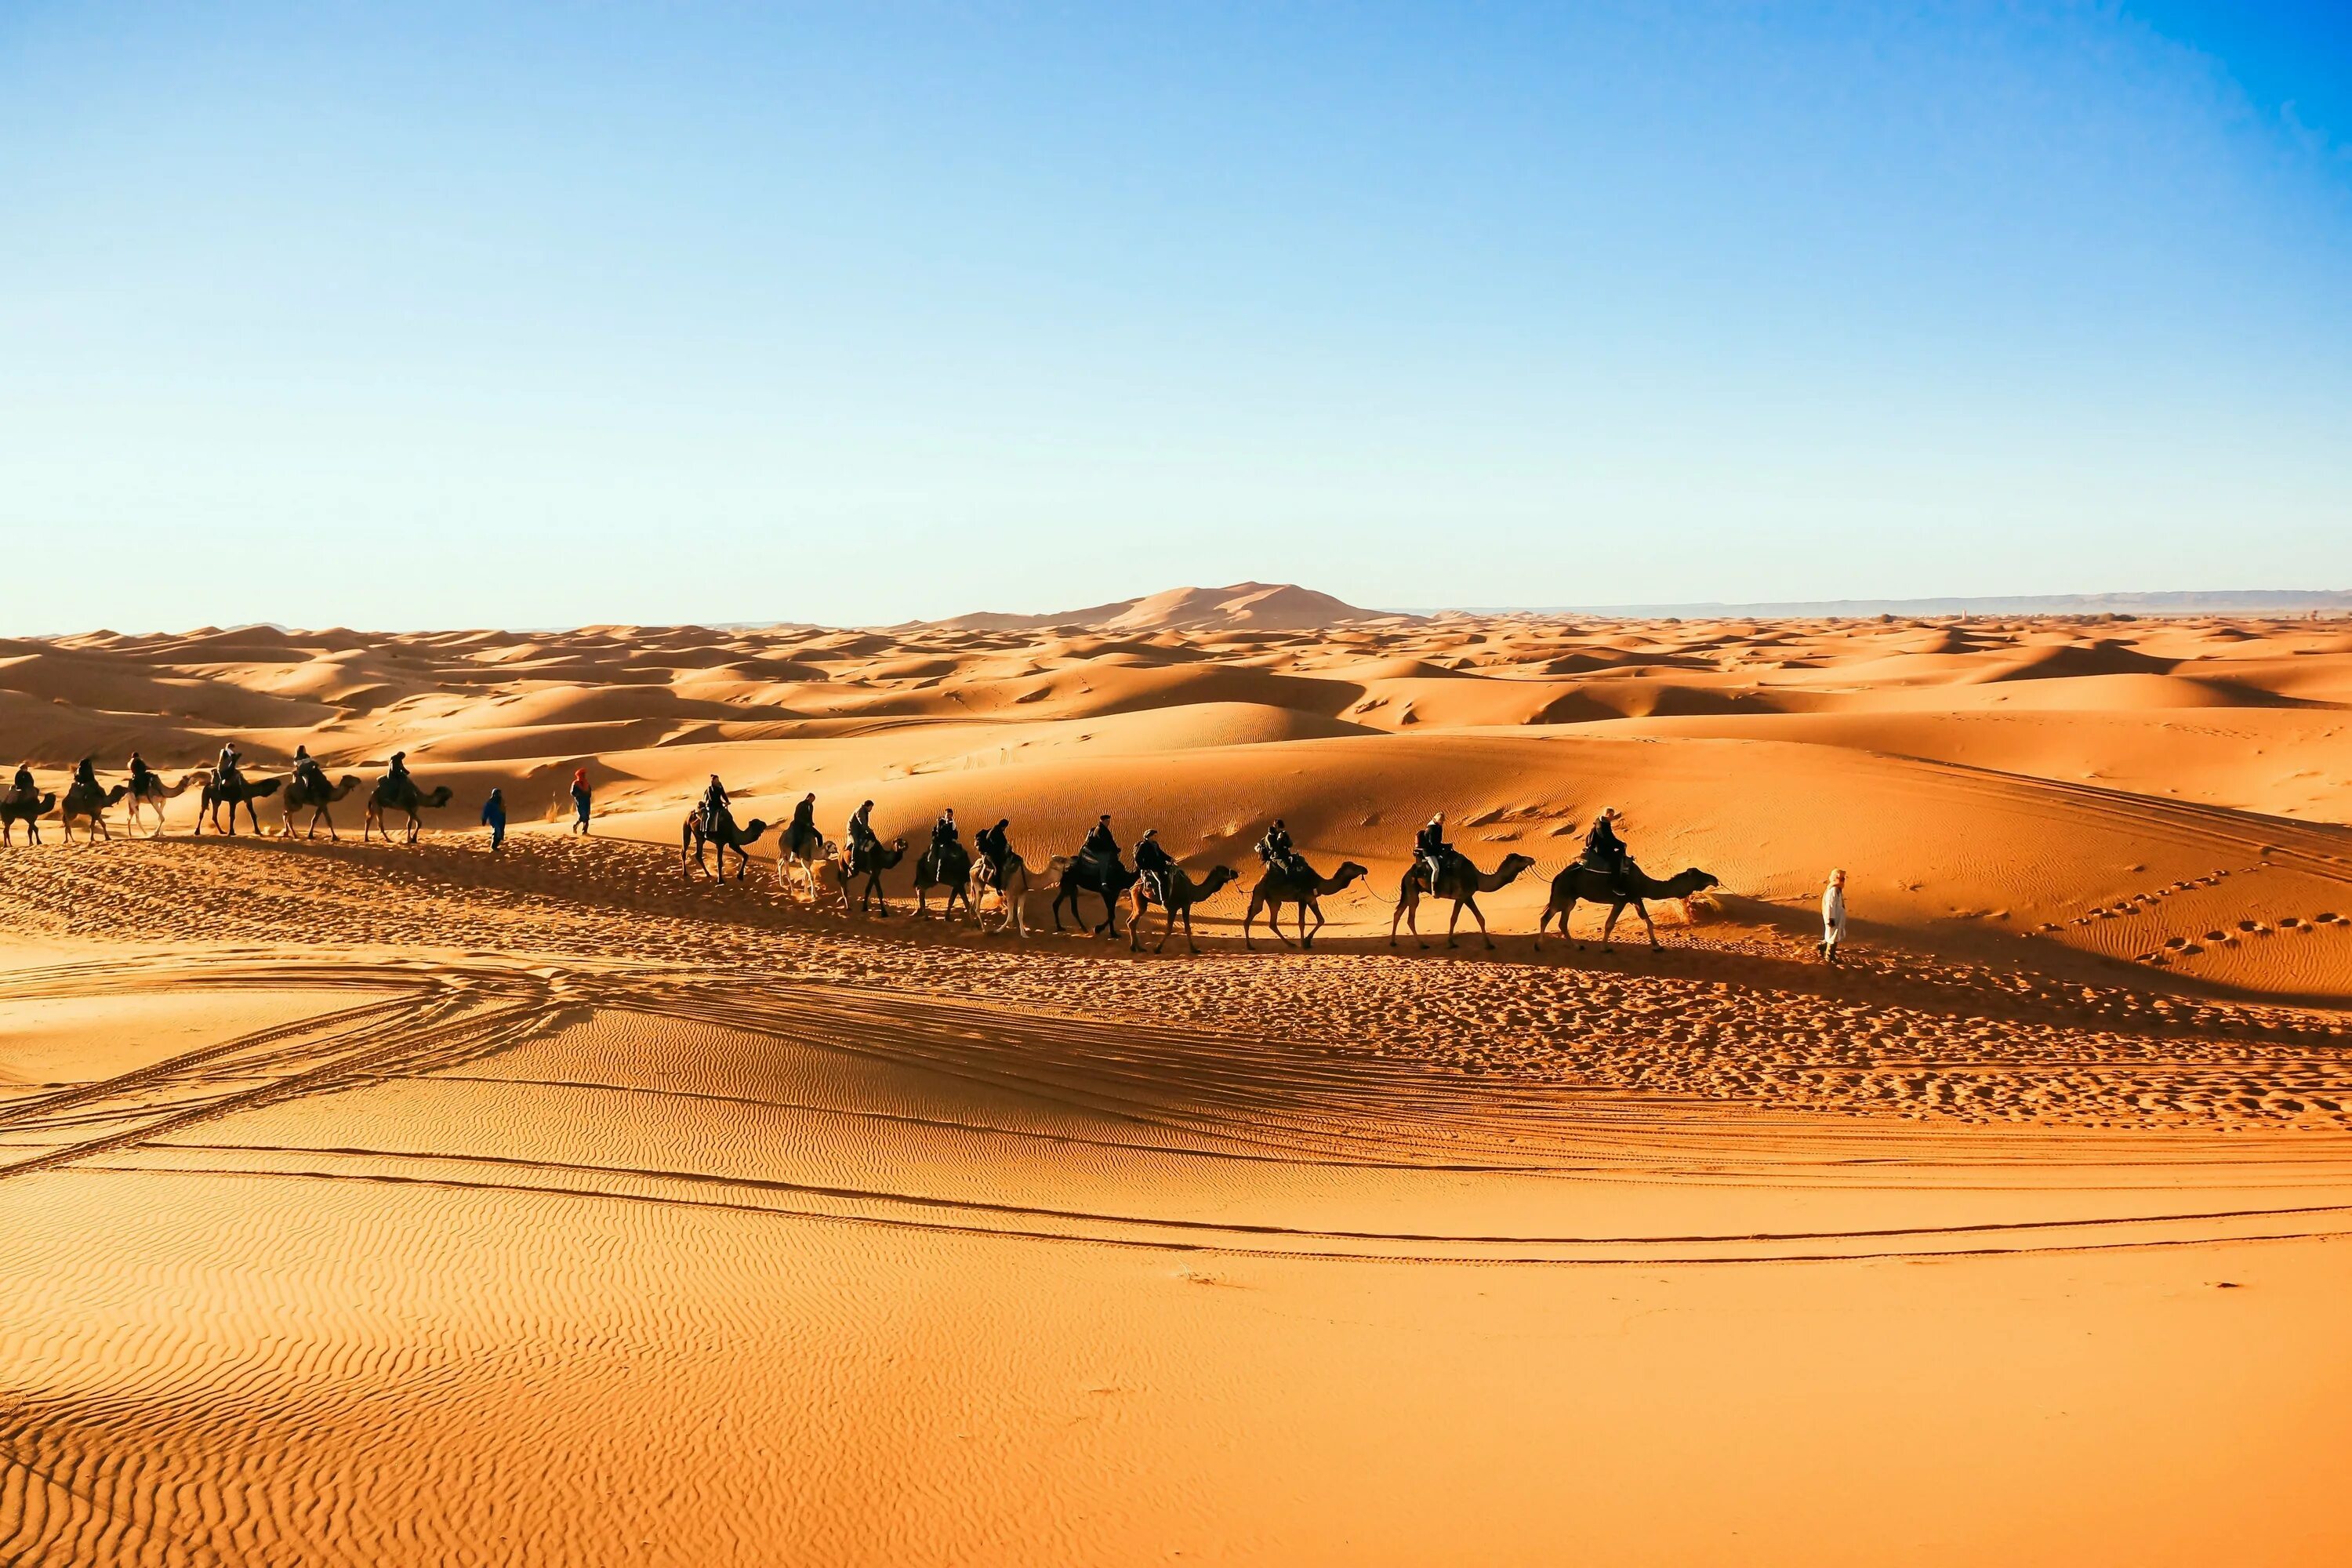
418, 1201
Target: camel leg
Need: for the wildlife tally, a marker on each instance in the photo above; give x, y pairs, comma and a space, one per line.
1642, 909
1479, 915
1188, 942
1135, 923
1452, 921
1305, 937
1250, 915
1611, 923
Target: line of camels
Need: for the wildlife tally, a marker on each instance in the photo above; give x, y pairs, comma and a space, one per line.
88, 806
806, 858
981, 887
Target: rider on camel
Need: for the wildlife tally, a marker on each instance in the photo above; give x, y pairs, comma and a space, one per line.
1604, 851
1100, 845
803, 828
22, 787
1429, 847
861, 835
944, 831
86, 774
308, 773
396, 776
228, 773
1152, 864
715, 814
1277, 851
140, 774
990, 842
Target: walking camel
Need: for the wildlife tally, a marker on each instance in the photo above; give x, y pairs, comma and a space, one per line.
153, 797
401, 796
727, 835
28, 810
91, 806
1008, 883
804, 852
1105, 879
1581, 882
878, 859
239, 792
1182, 893
300, 796
947, 865
1281, 886
1459, 881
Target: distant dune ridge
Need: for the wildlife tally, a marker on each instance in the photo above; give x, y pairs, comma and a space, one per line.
1258, 606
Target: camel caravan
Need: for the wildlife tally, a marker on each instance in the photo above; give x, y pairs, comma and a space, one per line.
989, 880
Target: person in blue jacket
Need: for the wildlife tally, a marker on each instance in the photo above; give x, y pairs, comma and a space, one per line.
494, 817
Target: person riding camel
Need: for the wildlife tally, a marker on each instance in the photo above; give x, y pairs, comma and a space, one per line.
86, 774
715, 813
1604, 851
1429, 847
992, 847
140, 774
1152, 864
803, 828
1100, 843
397, 774
230, 772
308, 773
944, 831
23, 787
1276, 850
862, 838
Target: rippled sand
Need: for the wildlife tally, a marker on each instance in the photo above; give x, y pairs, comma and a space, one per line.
409, 1205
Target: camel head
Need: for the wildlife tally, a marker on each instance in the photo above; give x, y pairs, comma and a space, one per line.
1513, 865
117, 793
1690, 880
1348, 871
344, 786
1217, 877
440, 797
754, 831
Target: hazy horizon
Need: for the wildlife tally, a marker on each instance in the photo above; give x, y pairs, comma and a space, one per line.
546, 317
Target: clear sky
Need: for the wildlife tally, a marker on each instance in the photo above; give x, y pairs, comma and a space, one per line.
417, 316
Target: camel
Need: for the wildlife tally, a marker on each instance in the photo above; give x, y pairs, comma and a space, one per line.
881, 858
804, 852
28, 810
156, 793
727, 835
947, 865
1182, 894
243, 792
83, 802
1074, 875
1011, 886
1280, 887
403, 796
1582, 882
299, 795
1458, 880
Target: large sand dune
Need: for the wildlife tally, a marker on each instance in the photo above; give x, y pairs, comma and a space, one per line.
388, 1205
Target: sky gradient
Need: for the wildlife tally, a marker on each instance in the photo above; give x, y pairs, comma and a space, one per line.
517, 316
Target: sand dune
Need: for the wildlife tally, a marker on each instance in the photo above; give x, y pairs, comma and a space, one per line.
415, 1205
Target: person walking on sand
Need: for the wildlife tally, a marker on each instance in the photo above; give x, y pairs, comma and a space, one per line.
1832, 917
494, 817
580, 801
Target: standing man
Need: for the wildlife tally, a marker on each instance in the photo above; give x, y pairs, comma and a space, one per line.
580, 801
1832, 917
494, 817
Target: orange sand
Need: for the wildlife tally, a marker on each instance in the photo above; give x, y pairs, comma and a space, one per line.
390, 1205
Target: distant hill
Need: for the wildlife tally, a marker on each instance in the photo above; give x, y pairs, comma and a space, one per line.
2220, 602
1248, 606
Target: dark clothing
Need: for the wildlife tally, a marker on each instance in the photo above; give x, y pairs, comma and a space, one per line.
1100, 842
1275, 848
861, 831
228, 773
139, 775
804, 819
1430, 842
990, 842
943, 832
24, 784
86, 773
714, 807
1602, 847
580, 805
397, 774
1152, 865
494, 817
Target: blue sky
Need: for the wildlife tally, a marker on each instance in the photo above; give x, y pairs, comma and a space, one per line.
417, 316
